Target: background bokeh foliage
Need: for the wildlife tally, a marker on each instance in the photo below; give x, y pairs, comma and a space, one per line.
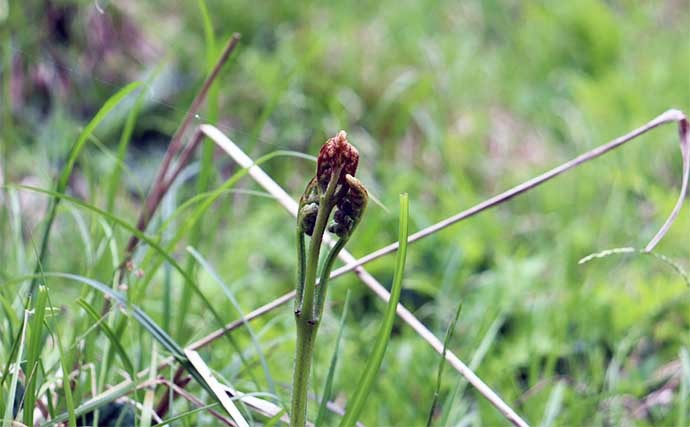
449, 101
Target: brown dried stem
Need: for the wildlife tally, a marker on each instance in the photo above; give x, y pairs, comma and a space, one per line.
181, 381
164, 178
188, 396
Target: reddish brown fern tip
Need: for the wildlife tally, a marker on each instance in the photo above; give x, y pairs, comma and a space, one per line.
336, 156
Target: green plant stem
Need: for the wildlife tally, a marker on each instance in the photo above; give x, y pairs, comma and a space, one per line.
301, 266
307, 325
306, 335
325, 275
306, 328
313, 261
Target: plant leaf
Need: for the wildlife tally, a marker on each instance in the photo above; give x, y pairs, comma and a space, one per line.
442, 363
356, 404
111, 103
331, 370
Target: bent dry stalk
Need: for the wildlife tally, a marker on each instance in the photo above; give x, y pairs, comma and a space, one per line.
334, 187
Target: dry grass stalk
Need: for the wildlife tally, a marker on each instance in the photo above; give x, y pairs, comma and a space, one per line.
164, 178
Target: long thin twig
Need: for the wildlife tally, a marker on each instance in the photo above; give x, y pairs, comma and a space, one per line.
190, 397
685, 154
291, 205
667, 117
180, 380
164, 177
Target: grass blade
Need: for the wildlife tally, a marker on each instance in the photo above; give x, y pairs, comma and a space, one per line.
357, 402
141, 236
554, 404
33, 353
122, 354
682, 416
327, 389
9, 408
93, 403
126, 136
69, 400
61, 186
442, 363
64, 364
206, 171
145, 321
10, 316
226, 289
178, 417
479, 354
147, 410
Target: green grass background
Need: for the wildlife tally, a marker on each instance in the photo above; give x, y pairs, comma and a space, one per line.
449, 101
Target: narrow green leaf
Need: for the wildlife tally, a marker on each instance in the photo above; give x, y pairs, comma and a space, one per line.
236, 305
327, 389
187, 279
274, 419
206, 169
94, 403
479, 354
9, 416
186, 414
145, 321
356, 404
111, 103
33, 353
125, 138
554, 404
10, 316
15, 340
69, 400
683, 403
442, 363
103, 326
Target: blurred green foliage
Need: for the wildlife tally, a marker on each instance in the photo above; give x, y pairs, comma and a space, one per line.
451, 102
